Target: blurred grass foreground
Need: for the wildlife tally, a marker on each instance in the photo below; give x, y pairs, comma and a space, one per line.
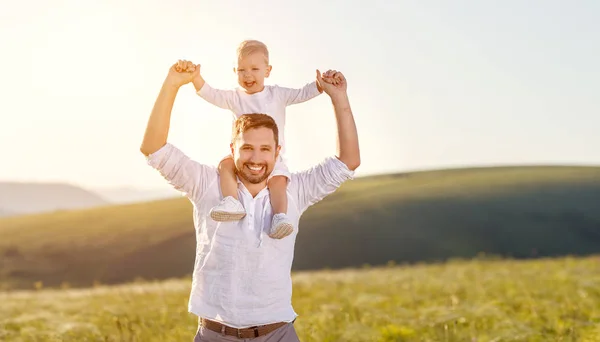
461, 300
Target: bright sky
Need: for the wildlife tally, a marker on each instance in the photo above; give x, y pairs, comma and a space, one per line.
432, 83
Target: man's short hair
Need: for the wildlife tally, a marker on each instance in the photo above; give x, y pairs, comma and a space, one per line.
250, 121
248, 47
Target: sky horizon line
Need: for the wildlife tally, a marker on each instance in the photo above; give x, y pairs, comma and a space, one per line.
448, 167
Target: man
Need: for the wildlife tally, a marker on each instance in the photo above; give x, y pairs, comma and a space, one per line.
241, 287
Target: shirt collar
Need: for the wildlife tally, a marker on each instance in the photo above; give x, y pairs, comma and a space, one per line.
261, 193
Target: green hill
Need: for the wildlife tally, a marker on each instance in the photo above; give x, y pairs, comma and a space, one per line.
22, 198
410, 217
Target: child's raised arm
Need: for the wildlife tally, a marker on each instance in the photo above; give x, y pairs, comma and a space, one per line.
220, 98
293, 96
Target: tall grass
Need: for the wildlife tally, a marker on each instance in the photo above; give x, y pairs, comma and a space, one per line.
478, 300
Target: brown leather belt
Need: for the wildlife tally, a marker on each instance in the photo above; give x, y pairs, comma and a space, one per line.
250, 332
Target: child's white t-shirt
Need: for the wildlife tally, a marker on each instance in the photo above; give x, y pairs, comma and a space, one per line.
272, 100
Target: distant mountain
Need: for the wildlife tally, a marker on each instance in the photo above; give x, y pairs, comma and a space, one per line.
518, 212
5, 213
126, 195
19, 198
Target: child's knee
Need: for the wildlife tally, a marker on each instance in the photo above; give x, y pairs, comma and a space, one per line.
277, 180
226, 164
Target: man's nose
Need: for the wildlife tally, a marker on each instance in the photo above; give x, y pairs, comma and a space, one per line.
255, 157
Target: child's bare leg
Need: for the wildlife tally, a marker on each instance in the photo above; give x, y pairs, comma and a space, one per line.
230, 208
277, 192
281, 226
227, 179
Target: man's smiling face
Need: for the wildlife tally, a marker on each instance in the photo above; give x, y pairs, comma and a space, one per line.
254, 153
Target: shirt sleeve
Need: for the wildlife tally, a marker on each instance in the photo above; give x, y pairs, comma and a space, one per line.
221, 98
187, 176
292, 96
316, 183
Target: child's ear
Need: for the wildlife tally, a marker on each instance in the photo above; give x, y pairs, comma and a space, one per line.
269, 68
234, 70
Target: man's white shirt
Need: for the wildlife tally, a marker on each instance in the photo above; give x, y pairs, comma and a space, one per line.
241, 276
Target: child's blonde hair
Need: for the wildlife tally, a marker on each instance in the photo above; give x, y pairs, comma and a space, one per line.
248, 47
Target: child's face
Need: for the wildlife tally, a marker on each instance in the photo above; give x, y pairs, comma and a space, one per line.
252, 71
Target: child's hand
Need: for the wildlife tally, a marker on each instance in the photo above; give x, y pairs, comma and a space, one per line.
197, 73
182, 72
197, 79
333, 82
333, 77
325, 78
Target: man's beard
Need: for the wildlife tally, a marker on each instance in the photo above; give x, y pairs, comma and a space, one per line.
253, 179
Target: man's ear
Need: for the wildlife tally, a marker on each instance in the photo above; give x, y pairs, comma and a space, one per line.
234, 70
277, 150
269, 68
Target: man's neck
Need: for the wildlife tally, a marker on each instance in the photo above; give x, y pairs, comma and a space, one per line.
252, 188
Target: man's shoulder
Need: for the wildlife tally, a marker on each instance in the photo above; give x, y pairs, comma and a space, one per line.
311, 185
170, 151
189, 176
330, 164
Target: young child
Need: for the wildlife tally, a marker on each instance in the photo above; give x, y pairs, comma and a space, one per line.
253, 96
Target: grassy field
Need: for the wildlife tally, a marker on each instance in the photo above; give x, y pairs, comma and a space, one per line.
470, 300
412, 217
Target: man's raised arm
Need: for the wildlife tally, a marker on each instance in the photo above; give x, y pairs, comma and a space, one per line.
335, 86
321, 180
184, 174
157, 129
